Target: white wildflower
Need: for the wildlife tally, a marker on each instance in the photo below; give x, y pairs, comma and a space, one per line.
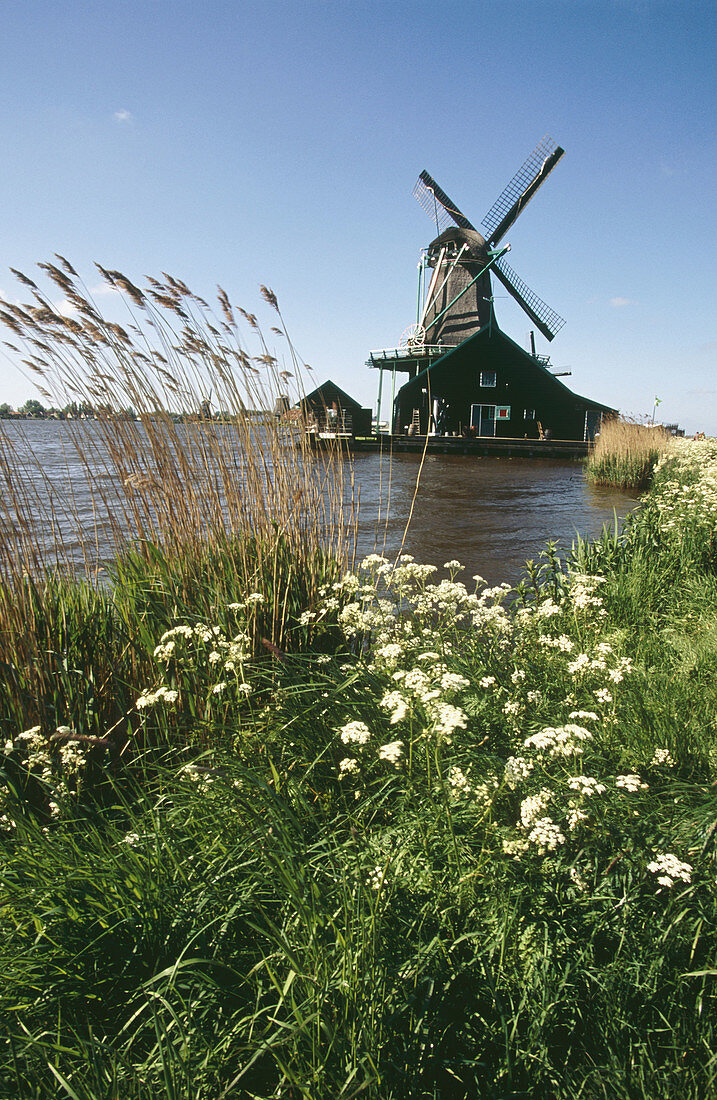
348, 766
559, 740
376, 877
165, 651
630, 783
576, 816
517, 768
453, 681
355, 733
533, 807
392, 752
586, 785
447, 719
546, 835
547, 609
160, 695
458, 782
603, 695
662, 758
515, 847
670, 869
397, 704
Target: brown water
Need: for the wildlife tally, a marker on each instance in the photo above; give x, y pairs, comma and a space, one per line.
489, 513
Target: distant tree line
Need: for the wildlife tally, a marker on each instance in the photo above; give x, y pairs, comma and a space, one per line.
83, 410
35, 410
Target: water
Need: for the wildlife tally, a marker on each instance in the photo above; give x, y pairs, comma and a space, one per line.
491, 514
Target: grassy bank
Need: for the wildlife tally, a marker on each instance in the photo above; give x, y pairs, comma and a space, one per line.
625, 454
427, 846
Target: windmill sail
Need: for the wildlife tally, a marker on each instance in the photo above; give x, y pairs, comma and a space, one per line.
437, 205
545, 319
526, 181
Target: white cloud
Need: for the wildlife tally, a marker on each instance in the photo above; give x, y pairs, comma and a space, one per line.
617, 302
103, 288
122, 115
65, 308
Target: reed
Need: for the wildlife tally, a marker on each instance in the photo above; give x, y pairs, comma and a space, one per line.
202, 495
625, 454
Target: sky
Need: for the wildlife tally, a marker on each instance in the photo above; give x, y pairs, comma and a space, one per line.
240, 143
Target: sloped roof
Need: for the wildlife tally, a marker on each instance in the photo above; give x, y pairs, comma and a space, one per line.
327, 393
493, 334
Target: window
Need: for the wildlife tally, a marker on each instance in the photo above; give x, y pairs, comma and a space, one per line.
487, 378
502, 412
528, 414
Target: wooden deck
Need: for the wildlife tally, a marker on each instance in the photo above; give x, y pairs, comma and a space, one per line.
481, 446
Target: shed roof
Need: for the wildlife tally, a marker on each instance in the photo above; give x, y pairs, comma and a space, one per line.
490, 333
325, 394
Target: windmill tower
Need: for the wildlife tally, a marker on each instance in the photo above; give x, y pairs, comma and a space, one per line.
465, 375
459, 299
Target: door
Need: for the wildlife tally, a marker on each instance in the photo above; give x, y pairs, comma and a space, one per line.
483, 419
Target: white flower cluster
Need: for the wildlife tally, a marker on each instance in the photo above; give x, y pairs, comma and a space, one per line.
533, 807
181, 641
392, 751
562, 642
662, 758
38, 757
631, 783
669, 869
546, 835
376, 877
586, 785
517, 768
559, 740
159, 695
692, 496
582, 593
355, 733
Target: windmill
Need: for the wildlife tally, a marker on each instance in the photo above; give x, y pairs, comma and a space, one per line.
459, 299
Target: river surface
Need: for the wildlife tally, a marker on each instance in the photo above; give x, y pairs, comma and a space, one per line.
491, 514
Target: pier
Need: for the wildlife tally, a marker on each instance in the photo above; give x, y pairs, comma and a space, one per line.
481, 446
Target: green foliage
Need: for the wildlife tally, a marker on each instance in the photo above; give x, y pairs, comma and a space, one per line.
446, 845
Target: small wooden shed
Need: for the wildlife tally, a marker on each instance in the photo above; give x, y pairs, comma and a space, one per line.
330, 410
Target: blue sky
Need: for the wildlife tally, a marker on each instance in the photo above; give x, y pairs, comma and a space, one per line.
278, 142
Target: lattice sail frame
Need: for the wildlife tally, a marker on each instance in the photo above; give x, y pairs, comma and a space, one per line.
437, 205
528, 173
548, 321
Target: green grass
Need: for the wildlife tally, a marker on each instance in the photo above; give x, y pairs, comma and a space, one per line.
273, 829
227, 910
